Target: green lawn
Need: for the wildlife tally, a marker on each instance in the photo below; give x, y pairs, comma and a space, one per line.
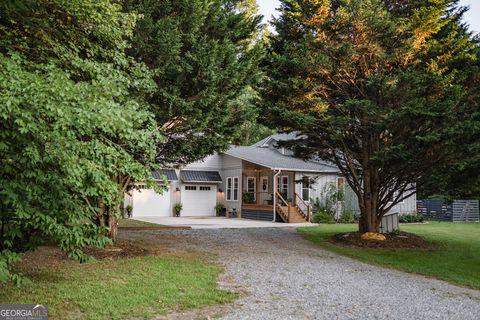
132, 223
122, 288
455, 257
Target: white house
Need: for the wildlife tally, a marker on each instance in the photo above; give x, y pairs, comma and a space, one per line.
244, 179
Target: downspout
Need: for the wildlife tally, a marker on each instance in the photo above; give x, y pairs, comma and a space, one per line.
275, 187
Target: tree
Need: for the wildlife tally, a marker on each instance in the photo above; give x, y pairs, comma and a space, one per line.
379, 87
204, 56
73, 120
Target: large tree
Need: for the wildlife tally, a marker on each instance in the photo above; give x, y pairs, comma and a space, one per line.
72, 123
204, 56
382, 88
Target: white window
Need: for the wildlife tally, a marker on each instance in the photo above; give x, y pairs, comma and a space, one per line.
250, 186
306, 189
235, 188
229, 189
192, 188
232, 189
282, 185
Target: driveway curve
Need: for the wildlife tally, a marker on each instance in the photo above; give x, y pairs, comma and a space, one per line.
287, 277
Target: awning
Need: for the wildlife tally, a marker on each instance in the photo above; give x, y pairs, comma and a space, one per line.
200, 176
169, 173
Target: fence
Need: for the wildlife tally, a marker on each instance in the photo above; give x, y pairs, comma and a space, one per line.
456, 210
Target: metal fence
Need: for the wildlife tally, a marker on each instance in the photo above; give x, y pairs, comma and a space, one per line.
456, 210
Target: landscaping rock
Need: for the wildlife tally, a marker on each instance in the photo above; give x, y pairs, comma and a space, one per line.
373, 236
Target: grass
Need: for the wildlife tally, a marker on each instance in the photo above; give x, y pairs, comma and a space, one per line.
123, 288
132, 223
455, 257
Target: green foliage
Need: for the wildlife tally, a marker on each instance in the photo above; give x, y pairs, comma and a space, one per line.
178, 207
73, 119
248, 197
204, 56
347, 217
411, 217
219, 207
386, 90
322, 216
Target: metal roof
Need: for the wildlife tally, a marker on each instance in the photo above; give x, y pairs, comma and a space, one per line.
200, 176
169, 173
273, 159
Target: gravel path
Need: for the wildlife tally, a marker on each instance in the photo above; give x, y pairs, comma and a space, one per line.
287, 277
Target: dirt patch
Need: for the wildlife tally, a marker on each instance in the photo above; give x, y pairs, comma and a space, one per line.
393, 241
120, 249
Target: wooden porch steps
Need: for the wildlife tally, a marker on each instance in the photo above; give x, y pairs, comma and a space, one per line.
294, 217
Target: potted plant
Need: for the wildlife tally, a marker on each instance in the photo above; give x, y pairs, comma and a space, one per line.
129, 209
177, 208
219, 209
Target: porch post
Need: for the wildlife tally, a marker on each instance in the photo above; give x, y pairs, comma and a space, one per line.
275, 193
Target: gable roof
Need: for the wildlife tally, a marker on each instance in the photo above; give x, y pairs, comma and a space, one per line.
271, 158
268, 141
169, 173
200, 176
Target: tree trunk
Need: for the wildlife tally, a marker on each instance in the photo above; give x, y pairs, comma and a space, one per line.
369, 219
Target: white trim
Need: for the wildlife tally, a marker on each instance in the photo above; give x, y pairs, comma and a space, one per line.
236, 188
228, 197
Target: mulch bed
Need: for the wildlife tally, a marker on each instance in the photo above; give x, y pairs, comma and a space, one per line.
121, 249
394, 241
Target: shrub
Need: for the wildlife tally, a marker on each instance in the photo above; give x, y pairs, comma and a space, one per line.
347, 217
411, 218
178, 208
322, 216
248, 197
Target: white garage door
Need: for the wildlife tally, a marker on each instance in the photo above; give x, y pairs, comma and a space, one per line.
148, 203
199, 200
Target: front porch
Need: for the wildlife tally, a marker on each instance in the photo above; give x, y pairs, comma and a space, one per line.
265, 192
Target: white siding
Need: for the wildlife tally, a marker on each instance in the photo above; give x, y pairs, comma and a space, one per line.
210, 163
231, 167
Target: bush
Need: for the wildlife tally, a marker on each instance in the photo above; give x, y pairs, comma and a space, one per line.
347, 217
248, 197
411, 218
322, 216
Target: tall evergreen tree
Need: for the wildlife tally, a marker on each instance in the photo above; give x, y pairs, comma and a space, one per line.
204, 56
382, 88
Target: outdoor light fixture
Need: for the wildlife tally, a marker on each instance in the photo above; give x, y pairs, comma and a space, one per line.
177, 189
220, 190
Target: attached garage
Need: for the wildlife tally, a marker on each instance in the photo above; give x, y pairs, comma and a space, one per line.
148, 203
199, 192
199, 200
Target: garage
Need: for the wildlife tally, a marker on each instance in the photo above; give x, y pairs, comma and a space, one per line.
148, 203
199, 192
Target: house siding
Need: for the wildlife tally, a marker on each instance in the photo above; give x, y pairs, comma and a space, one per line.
231, 167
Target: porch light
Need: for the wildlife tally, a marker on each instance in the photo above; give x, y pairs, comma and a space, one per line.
177, 189
220, 190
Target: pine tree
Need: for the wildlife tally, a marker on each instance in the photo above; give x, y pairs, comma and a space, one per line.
380, 88
204, 56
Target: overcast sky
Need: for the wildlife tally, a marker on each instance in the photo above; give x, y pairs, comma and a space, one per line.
267, 9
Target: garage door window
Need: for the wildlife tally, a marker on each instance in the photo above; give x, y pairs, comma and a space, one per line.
205, 188
192, 188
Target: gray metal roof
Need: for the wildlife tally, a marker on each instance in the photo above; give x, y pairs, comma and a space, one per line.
277, 137
200, 176
273, 159
169, 173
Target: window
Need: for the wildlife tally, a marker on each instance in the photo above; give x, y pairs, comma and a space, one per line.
306, 189
205, 188
232, 189
250, 186
282, 185
235, 189
229, 189
192, 188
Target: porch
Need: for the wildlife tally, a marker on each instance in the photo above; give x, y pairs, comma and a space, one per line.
265, 192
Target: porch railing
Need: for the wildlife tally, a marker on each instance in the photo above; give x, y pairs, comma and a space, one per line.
282, 207
305, 212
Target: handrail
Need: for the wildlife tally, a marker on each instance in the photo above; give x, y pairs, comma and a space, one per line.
279, 196
307, 215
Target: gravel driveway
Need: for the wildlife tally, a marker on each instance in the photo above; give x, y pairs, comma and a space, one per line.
287, 277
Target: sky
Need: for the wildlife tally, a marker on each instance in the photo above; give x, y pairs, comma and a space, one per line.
472, 17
